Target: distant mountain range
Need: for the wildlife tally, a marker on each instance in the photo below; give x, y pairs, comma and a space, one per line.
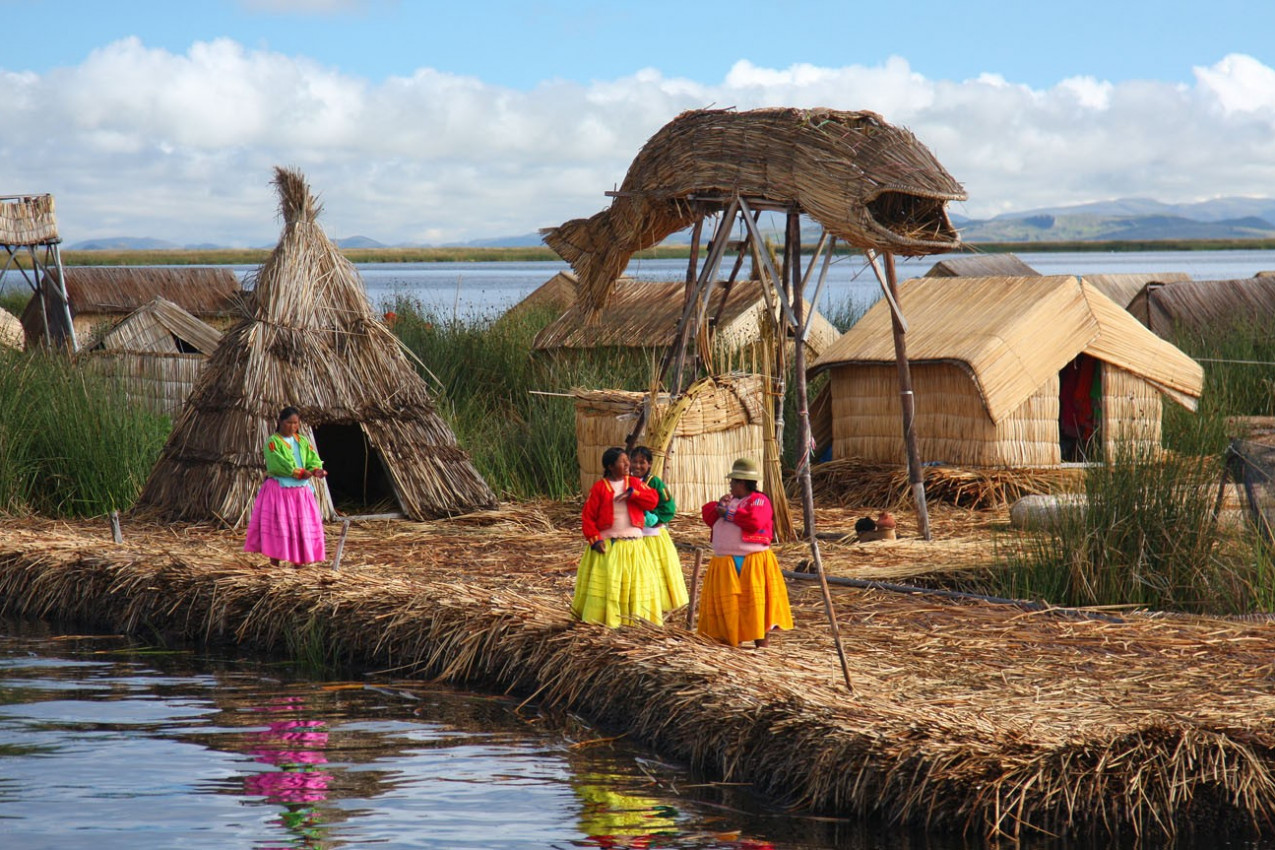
1126, 219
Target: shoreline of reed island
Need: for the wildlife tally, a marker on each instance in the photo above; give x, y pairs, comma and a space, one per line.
966, 715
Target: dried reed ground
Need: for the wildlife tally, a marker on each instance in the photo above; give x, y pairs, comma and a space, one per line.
964, 714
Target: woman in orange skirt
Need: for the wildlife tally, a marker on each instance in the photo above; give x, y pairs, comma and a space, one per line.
744, 595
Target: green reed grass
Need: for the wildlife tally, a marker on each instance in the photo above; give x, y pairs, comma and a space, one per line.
70, 443
491, 389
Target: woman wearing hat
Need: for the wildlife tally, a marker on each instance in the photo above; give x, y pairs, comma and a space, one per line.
744, 592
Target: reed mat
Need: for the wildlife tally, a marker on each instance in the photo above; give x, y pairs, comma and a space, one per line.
963, 714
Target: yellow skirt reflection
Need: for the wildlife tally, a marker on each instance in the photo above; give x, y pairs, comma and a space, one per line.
613, 819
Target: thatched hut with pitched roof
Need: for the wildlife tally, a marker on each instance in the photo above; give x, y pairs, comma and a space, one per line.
716, 421
1125, 287
156, 353
643, 315
981, 265
989, 360
1204, 306
313, 341
101, 296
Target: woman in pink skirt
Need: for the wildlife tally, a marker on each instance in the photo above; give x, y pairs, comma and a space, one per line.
285, 523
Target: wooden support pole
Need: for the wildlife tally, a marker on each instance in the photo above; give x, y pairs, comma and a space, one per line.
116, 533
793, 245
916, 475
340, 544
690, 605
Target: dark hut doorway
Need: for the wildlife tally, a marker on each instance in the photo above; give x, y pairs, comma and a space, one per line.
1080, 409
357, 479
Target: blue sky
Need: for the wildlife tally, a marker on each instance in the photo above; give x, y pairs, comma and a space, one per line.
439, 122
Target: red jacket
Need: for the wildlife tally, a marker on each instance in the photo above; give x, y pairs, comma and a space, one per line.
599, 509
755, 517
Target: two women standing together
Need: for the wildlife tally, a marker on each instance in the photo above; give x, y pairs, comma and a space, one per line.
626, 575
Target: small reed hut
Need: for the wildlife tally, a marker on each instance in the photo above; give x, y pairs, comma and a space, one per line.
715, 422
314, 342
643, 315
11, 333
1206, 306
156, 353
100, 296
981, 265
991, 359
1124, 288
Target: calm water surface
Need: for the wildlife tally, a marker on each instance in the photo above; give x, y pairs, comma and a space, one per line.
107, 744
467, 290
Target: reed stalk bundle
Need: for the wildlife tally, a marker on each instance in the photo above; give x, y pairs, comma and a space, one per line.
965, 715
28, 220
859, 482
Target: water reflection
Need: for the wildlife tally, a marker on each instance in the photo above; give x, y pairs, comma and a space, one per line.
110, 745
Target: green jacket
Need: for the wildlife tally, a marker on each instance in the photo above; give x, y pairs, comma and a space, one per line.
665, 508
281, 462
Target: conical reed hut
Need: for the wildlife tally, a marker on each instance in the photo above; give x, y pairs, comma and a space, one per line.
698, 436
156, 354
314, 342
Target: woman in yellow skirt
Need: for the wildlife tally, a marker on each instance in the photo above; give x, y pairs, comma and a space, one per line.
744, 595
616, 582
668, 566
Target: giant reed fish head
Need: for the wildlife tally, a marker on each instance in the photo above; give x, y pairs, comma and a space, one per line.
897, 191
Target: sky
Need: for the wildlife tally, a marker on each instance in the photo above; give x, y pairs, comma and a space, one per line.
444, 122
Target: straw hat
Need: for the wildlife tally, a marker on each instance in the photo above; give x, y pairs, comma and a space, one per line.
745, 469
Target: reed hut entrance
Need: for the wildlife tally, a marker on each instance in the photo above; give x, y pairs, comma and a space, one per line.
357, 480
1080, 409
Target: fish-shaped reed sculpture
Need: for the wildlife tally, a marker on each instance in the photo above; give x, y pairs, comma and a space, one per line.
868, 182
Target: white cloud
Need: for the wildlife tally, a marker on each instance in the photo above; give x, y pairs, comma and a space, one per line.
141, 141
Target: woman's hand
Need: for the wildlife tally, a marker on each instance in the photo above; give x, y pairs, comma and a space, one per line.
599, 546
723, 505
319, 473
625, 495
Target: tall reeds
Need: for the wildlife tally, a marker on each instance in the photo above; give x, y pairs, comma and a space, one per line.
70, 443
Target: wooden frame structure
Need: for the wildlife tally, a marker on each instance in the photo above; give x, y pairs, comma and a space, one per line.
787, 286
27, 223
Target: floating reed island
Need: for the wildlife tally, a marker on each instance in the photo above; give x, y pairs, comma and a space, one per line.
988, 718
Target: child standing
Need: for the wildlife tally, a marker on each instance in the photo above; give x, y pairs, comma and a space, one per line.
668, 566
616, 583
744, 592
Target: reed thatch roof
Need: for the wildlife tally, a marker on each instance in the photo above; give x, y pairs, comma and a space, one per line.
1124, 288
646, 315
313, 342
159, 326
869, 183
1197, 305
205, 292
1014, 334
981, 265
27, 220
11, 333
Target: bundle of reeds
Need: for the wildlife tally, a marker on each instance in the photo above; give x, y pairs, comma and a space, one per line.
11, 333
869, 183
315, 343
859, 482
28, 220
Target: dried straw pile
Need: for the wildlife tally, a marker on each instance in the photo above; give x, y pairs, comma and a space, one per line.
964, 715
314, 342
869, 183
28, 220
855, 481
698, 437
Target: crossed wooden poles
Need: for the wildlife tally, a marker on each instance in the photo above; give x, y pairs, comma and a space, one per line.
786, 290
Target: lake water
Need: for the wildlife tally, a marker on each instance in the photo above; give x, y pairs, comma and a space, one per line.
476, 289
108, 744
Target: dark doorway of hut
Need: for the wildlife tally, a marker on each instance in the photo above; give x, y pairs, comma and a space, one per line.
1080, 409
357, 480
